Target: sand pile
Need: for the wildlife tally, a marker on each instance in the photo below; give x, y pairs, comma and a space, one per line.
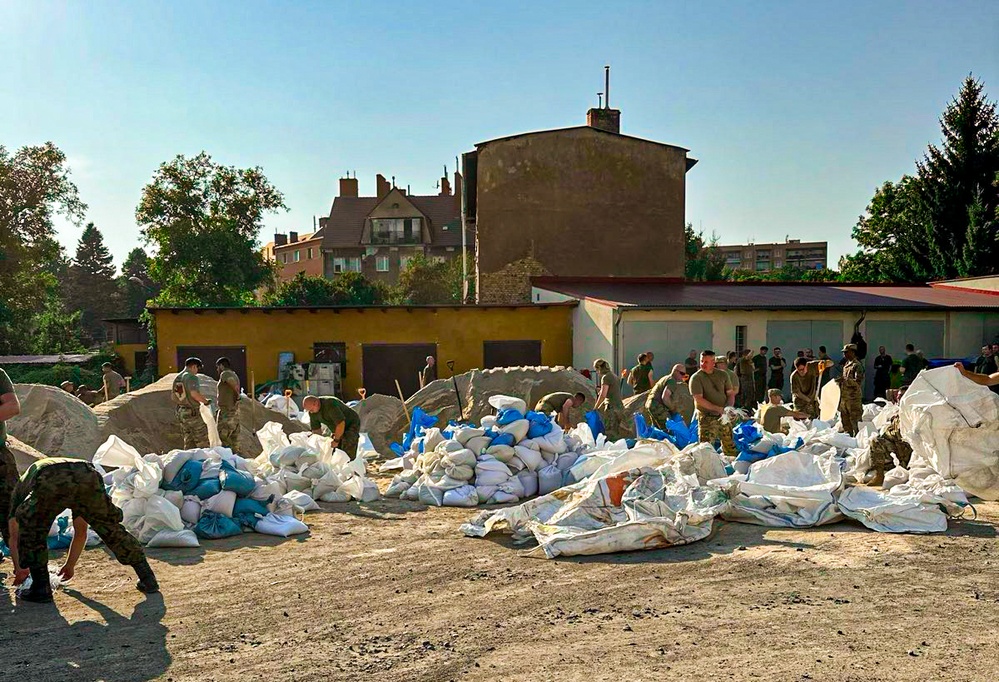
54, 422
24, 455
378, 414
146, 419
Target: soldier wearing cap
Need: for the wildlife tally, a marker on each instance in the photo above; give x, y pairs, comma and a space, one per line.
851, 390
228, 400
114, 385
188, 399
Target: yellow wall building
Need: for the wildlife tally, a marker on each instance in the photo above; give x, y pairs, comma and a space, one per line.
376, 344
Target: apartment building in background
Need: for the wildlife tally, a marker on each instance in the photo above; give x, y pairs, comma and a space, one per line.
295, 253
767, 257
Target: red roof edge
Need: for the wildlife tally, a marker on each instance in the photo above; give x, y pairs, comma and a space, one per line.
555, 279
951, 287
543, 280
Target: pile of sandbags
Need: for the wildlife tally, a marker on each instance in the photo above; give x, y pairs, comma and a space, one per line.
509, 456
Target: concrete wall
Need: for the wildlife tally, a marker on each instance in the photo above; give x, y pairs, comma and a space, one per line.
577, 202
459, 333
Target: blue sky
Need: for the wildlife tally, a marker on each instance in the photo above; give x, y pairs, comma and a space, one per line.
796, 111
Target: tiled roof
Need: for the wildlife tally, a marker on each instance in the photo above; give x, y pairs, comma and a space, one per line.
345, 224
655, 293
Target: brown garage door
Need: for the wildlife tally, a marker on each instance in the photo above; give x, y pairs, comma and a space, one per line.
209, 355
383, 363
511, 354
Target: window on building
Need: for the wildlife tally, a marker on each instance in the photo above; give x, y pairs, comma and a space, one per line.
298, 255
741, 333
396, 230
338, 265
439, 259
311, 253
354, 264
403, 262
284, 258
381, 264
330, 351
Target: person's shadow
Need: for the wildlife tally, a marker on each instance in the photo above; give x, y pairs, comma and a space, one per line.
39, 644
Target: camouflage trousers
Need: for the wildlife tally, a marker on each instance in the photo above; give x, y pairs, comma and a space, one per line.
228, 423
8, 479
850, 413
193, 427
882, 448
658, 413
613, 419
76, 486
348, 442
711, 429
809, 406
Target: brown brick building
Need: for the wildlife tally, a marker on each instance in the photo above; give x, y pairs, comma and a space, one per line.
767, 257
377, 235
295, 253
580, 201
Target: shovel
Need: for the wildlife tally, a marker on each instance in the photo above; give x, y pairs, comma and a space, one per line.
450, 366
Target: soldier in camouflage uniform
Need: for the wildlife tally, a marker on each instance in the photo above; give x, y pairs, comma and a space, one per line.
228, 399
884, 445
48, 487
609, 403
187, 396
670, 396
713, 391
851, 387
9, 407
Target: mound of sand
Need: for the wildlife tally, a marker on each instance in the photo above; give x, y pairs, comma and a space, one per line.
439, 398
146, 419
24, 455
378, 414
54, 422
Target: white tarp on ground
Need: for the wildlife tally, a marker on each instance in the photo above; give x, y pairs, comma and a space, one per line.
953, 427
644, 508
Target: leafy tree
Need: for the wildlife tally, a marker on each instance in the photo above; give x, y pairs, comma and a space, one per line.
34, 187
788, 273
92, 287
135, 285
940, 223
425, 281
348, 288
704, 262
54, 330
203, 219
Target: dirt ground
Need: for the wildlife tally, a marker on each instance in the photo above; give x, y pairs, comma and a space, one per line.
392, 591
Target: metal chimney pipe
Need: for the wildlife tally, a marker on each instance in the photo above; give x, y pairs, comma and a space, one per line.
607, 87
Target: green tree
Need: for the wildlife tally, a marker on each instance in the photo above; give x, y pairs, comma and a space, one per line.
348, 288
92, 288
788, 273
704, 262
55, 330
203, 220
940, 223
34, 187
135, 284
424, 281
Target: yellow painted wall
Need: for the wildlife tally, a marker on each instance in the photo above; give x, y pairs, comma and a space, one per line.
127, 352
458, 332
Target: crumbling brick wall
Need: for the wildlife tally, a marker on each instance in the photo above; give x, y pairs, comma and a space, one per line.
511, 284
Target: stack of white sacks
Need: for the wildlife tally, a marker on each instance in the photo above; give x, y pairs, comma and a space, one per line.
465, 466
173, 499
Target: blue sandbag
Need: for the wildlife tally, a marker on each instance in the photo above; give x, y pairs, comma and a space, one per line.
541, 424
508, 415
214, 526
239, 482
246, 520
186, 479
678, 433
62, 539
207, 487
247, 504
420, 421
745, 435
503, 439
644, 430
397, 449
595, 423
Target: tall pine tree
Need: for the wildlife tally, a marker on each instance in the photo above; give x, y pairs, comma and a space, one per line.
957, 186
135, 285
93, 290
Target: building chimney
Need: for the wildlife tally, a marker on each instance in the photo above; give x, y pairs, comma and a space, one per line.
445, 184
604, 119
292, 237
348, 187
382, 186
280, 239
457, 191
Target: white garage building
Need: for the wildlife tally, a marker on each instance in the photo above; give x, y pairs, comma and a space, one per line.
617, 318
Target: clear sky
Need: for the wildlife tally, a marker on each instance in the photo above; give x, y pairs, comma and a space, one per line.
796, 111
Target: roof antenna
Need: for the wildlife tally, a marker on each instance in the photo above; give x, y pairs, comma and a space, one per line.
607, 87
393, 182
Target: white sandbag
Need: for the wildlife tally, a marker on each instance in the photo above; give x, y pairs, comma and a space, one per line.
314, 443
504, 402
332, 496
267, 489
461, 472
432, 437
283, 404
213, 428
302, 500
829, 401
518, 429
411, 494
329, 482
272, 438
175, 497
485, 492
465, 496
886, 513
553, 441
315, 470
222, 503
516, 464
566, 460
174, 538
513, 486
488, 422
286, 456
430, 495
896, 476
115, 452
190, 512
466, 433
503, 497
478, 444
397, 487
157, 514
503, 453
173, 461
531, 458
529, 480
489, 472
549, 479
463, 457
449, 446
294, 481
282, 526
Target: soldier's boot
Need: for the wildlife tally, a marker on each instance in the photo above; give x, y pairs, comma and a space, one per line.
878, 480
147, 581
40, 591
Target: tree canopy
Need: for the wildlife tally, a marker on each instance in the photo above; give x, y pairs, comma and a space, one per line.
92, 288
203, 220
347, 288
704, 262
